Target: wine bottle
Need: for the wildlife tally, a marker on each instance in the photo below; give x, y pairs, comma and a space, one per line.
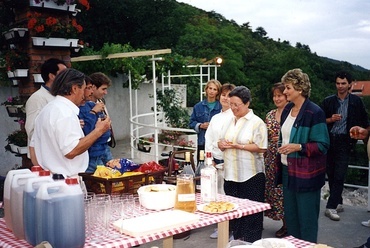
208, 180
200, 166
188, 169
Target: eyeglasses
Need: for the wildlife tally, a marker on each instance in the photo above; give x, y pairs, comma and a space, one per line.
234, 105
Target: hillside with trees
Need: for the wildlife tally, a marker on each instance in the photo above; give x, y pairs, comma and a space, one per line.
250, 57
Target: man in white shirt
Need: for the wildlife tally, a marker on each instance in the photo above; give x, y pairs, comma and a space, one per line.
49, 70
59, 142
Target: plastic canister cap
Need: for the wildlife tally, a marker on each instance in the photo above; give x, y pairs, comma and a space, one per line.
58, 177
71, 181
44, 173
36, 168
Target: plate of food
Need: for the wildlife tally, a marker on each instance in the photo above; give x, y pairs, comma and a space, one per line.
217, 207
274, 243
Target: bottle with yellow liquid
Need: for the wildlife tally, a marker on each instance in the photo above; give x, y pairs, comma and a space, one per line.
185, 193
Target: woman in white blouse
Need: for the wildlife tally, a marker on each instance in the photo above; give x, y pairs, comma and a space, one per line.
244, 140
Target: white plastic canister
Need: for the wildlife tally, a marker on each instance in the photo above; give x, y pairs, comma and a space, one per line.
7, 187
16, 202
61, 215
29, 207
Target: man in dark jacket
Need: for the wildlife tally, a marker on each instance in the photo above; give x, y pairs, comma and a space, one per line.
343, 111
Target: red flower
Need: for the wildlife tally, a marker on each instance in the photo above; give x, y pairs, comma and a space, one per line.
51, 21
49, 26
85, 3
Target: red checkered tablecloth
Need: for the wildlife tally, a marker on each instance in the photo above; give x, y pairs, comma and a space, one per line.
298, 243
117, 240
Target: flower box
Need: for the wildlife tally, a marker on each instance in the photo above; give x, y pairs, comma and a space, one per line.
15, 33
15, 110
37, 79
15, 82
53, 5
17, 73
143, 148
10, 74
54, 42
20, 73
13, 148
22, 149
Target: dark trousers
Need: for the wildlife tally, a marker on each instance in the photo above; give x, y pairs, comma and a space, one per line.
248, 228
336, 168
301, 211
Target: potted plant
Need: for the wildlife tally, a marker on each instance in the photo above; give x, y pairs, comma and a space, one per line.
15, 106
143, 143
17, 141
15, 34
16, 63
175, 115
65, 5
185, 143
50, 31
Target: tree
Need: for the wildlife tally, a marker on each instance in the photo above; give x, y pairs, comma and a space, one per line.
260, 31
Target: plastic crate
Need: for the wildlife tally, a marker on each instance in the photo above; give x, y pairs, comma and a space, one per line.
128, 184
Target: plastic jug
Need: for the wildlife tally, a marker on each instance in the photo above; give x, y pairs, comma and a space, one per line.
7, 187
16, 202
61, 215
29, 207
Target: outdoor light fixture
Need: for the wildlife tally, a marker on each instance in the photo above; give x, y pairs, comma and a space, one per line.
215, 60
218, 60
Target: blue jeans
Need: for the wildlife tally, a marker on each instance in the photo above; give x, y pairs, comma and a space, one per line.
99, 160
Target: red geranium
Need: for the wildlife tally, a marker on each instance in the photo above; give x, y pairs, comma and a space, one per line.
52, 27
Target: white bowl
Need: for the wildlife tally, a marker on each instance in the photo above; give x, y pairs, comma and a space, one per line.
157, 196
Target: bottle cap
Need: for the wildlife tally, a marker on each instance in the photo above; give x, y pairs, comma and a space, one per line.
36, 168
187, 156
58, 177
71, 181
201, 155
208, 154
44, 173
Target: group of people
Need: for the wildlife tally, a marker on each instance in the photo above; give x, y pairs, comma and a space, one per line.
67, 127
281, 160
285, 159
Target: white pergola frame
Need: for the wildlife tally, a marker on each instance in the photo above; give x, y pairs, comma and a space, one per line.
135, 124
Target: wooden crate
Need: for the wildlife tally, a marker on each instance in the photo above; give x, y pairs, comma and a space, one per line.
128, 184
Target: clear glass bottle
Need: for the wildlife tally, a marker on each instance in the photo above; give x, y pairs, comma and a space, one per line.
200, 166
208, 180
188, 169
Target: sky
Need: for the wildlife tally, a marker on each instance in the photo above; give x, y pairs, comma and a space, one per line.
337, 29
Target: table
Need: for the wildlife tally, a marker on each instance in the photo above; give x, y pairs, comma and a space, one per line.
298, 243
117, 240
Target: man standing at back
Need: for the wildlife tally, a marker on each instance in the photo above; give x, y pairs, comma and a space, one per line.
343, 111
34, 104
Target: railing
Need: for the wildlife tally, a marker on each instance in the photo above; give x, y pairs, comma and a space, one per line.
360, 142
138, 132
